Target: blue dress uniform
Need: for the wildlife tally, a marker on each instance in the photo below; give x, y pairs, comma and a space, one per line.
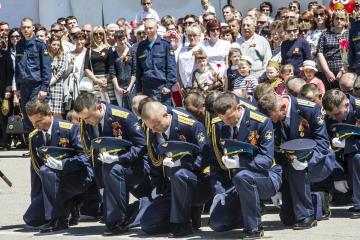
256, 178
185, 186
156, 68
354, 51
352, 149
130, 174
51, 189
32, 72
305, 121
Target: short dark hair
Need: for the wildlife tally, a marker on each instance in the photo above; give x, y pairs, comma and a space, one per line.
195, 99
61, 19
210, 100
332, 99
27, 20
309, 87
70, 18
268, 103
228, 6
37, 106
191, 16
266, 4
225, 102
85, 100
120, 34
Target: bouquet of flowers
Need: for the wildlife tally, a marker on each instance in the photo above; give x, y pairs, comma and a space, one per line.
344, 48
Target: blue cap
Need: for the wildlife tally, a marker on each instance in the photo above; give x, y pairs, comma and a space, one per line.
110, 144
58, 153
176, 149
302, 148
343, 130
235, 147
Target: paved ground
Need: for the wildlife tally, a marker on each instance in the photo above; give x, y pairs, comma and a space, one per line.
14, 201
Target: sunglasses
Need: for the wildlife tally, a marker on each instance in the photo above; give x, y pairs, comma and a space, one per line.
304, 20
55, 30
316, 15
188, 23
146, 3
87, 31
214, 30
292, 31
140, 33
288, 17
303, 31
78, 38
98, 34
261, 22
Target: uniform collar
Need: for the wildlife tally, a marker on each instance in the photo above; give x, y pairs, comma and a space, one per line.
241, 118
50, 128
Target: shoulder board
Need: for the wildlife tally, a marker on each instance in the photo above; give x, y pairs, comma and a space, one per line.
258, 117
185, 120
357, 102
119, 113
33, 133
65, 125
305, 103
180, 113
247, 105
215, 120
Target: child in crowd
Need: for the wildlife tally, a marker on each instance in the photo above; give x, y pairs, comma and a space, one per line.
207, 7
146, 12
73, 117
232, 72
286, 72
309, 70
245, 80
273, 77
204, 77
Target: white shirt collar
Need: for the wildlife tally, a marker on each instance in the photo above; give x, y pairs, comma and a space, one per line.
167, 132
241, 117
288, 114
50, 128
103, 119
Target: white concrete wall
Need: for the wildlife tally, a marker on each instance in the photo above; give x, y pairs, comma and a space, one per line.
47, 11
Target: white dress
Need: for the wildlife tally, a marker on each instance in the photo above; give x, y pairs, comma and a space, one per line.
217, 54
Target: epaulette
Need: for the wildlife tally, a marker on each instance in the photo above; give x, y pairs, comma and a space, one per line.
34, 162
247, 105
305, 103
119, 113
33, 133
65, 125
357, 102
215, 120
180, 112
185, 120
258, 117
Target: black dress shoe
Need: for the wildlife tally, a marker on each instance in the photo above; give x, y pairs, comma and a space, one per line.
75, 215
196, 217
115, 229
181, 230
54, 226
354, 213
26, 155
255, 233
306, 223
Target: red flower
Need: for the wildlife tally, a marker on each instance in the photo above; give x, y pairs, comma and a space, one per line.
344, 44
218, 65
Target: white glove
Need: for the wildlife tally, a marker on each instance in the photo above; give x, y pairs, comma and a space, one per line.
232, 162
297, 165
277, 199
336, 142
341, 186
170, 163
108, 158
54, 164
154, 194
220, 197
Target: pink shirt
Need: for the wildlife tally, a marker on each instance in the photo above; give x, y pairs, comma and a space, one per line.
318, 83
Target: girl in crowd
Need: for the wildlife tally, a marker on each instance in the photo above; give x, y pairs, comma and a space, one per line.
232, 72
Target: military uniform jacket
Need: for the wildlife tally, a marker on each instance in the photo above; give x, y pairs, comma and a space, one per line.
121, 123
157, 62
182, 129
63, 134
32, 63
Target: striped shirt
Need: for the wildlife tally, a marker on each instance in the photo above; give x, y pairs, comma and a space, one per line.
246, 82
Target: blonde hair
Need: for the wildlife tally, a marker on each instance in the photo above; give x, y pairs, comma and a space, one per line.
194, 30
340, 14
93, 44
287, 69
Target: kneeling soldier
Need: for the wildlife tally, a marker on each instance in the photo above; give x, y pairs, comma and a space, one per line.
177, 203
54, 182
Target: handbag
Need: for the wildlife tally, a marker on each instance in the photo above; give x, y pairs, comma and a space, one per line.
15, 124
86, 84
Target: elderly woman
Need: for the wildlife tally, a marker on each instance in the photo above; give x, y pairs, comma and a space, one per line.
96, 66
277, 37
329, 51
215, 48
294, 50
254, 46
186, 59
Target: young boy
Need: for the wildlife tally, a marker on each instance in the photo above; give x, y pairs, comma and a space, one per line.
272, 74
207, 7
204, 77
309, 69
245, 80
146, 12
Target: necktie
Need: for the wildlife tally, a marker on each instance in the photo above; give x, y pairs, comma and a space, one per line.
100, 129
235, 132
47, 139
165, 137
